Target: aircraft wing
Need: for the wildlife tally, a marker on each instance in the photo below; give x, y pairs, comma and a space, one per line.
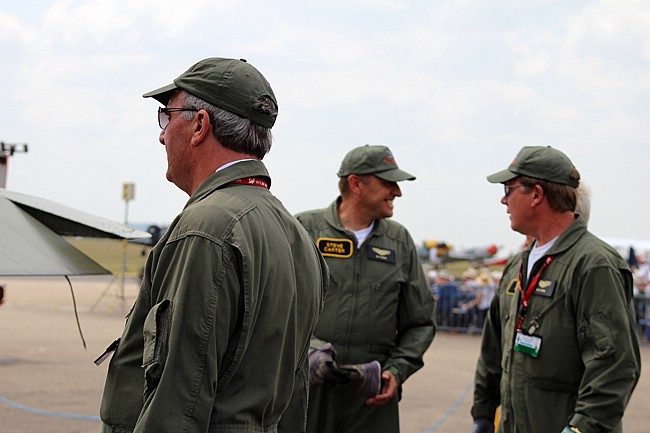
67, 221
31, 242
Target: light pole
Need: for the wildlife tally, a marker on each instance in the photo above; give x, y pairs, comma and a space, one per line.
128, 194
7, 150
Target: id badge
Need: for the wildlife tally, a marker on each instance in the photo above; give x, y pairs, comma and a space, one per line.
528, 344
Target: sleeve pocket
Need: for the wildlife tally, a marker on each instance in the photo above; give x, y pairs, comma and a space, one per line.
155, 333
596, 333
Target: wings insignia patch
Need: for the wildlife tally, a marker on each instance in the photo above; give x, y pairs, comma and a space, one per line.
381, 254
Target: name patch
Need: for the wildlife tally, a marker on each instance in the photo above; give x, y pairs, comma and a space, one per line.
545, 288
381, 254
512, 287
341, 248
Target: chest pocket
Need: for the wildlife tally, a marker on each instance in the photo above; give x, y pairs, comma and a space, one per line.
539, 307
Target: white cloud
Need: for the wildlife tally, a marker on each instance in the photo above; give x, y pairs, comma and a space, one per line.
390, 5
454, 88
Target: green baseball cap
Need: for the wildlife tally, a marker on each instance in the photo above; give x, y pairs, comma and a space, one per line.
540, 162
377, 160
231, 84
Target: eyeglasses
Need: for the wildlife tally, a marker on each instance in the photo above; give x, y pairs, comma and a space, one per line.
164, 117
507, 189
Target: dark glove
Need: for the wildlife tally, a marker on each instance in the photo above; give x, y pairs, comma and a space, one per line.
483, 425
365, 379
322, 367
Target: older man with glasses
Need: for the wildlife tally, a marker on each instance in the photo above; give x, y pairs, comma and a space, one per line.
217, 339
560, 351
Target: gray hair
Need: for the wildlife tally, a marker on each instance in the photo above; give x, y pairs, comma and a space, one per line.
583, 204
236, 133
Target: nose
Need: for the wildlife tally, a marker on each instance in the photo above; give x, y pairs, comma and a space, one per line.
397, 192
161, 137
504, 200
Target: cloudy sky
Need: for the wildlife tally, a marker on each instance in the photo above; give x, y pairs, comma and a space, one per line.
454, 87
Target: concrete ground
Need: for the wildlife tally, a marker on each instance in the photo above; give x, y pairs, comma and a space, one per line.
48, 382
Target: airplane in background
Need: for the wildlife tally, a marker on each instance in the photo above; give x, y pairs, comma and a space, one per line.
155, 231
446, 253
31, 237
629, 249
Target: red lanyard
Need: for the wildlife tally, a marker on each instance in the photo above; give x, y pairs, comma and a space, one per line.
254, 181
529, 291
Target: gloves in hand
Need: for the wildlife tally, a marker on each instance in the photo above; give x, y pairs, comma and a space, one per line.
322, 367
364, 379
483, 425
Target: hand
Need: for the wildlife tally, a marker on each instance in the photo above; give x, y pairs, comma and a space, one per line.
388, 389
483, 425
321, 360
334, 374
364, 379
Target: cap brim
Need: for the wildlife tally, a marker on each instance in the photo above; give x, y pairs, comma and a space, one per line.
395, 175
501, 176
163, 94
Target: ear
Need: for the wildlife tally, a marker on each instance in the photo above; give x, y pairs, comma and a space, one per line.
354, 182
202, 128
538, 195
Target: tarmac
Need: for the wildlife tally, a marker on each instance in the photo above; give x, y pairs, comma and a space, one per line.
48, 382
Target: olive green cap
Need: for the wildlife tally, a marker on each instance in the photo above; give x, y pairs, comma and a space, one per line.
377, 160
540, 162
231, 84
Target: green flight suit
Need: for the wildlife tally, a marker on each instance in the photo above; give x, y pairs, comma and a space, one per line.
378, 307
220, 329
588, 363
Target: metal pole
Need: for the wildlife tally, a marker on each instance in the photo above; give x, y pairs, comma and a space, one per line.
7, 150
4, 162
128, 193
124, 252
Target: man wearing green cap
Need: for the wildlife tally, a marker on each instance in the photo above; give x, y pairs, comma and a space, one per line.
231, 293
379, 309
560, 351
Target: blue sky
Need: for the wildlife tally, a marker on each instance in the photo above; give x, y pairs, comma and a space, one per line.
455, 88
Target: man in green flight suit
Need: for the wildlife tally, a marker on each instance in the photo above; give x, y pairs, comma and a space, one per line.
220, 331
379, 309
560, 351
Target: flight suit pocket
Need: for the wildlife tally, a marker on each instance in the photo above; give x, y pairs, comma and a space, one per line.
155, 333
595, 332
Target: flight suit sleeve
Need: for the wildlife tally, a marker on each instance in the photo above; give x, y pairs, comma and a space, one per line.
487, 379
609, 348
183, 349
416, 323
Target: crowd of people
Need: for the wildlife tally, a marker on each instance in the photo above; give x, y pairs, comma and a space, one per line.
641, 272
462, 303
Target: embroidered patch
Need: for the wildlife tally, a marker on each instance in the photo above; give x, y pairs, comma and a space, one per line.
545, 288
341, 248
512, 287
381, 254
